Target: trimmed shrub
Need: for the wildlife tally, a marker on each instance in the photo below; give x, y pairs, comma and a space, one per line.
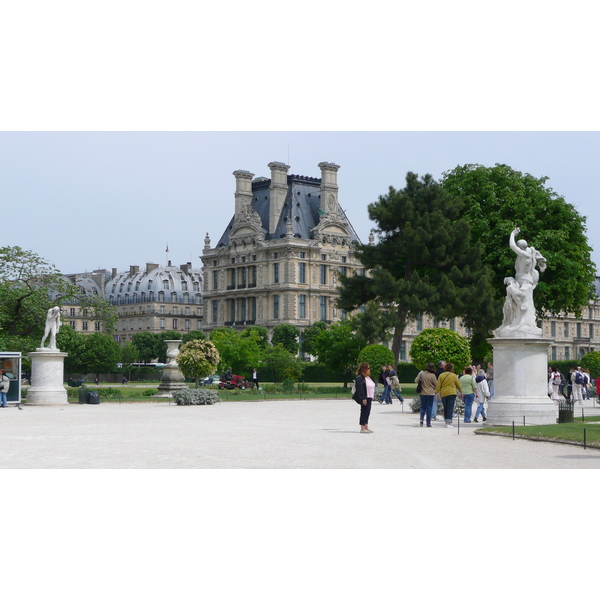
317, 373
376, 355
152, 392
433, 345
195, 396
110, 392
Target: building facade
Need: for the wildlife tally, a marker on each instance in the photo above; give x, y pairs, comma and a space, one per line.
154, 299
279, 259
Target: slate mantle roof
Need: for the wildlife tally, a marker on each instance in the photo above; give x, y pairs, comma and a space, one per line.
301, 206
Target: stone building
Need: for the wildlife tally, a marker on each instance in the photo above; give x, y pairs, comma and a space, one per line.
279, 259
154, 299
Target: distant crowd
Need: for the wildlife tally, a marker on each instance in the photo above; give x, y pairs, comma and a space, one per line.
574, 387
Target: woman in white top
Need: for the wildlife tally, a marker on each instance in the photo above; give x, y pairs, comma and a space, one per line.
365, 389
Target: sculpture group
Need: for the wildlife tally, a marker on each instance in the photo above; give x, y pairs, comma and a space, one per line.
519, 310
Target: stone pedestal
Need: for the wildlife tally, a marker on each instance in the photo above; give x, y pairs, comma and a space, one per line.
47, 376
172, 378
521, 383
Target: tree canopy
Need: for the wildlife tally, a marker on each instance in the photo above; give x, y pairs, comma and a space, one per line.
424, 261
287, 335
495, 200
198, 358
434, 345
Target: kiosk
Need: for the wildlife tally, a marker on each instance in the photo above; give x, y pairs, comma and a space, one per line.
11, 363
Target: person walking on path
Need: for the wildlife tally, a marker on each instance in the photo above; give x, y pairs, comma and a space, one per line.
383, 379
448, 387
482, 395
428, 382
4, 387
255, 379
365, 389
395, 384
577, 382
469, 387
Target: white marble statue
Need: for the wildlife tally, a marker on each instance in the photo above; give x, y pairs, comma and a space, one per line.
52, 327
519, 310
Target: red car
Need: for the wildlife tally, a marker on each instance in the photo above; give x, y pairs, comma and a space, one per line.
236, 381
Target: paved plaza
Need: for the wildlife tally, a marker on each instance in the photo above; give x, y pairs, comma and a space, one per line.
290, 434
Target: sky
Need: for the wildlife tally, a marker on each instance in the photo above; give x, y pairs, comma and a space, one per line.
93, 175
89, 200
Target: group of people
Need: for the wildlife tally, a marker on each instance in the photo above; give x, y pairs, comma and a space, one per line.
433, 386
575, 387
445, 386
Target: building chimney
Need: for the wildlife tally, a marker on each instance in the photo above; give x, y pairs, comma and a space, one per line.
133, 270
243, 189
278, 191
329, 187
114, 273
186, 268
151, 267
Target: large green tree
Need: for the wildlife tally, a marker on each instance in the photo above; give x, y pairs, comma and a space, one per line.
241, 353
287, 335
29, 286
337, 347
100, 354
309, 335
145, 343
424, 262
494, 201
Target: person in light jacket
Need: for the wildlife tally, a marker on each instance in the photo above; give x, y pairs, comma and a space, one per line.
4, 387
481, 395
428, 382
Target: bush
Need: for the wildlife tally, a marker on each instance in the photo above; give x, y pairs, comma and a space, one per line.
152, 392
376, 355
407, 372
591, 361
195, 396
110, 393
317, 373
433, 345
288, 385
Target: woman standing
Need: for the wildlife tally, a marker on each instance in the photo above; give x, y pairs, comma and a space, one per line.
447, 386
428, 382
365, 388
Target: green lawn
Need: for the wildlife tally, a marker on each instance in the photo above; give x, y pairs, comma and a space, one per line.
569, 432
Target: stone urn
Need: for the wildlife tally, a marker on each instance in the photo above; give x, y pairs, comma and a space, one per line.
172, 378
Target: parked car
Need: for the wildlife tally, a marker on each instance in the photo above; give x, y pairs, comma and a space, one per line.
236, 381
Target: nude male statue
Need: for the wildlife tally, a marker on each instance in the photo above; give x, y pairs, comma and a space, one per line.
52, 326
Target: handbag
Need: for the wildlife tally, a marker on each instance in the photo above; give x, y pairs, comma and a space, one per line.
419, 386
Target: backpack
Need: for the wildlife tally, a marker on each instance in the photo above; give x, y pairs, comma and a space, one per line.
355, 394
578, 378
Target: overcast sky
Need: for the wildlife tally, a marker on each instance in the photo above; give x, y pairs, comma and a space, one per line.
88, 200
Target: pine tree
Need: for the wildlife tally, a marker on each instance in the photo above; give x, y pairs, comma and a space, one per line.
424, 261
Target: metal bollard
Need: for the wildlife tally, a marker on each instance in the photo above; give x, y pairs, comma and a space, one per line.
513, 430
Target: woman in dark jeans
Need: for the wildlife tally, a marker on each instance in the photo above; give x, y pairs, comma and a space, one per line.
428, 382
365, 388
448, 387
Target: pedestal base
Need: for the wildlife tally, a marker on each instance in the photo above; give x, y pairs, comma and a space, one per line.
521, 383
172, 380
47, 375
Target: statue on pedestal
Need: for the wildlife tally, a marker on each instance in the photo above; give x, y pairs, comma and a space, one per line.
519, 310
52, 327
